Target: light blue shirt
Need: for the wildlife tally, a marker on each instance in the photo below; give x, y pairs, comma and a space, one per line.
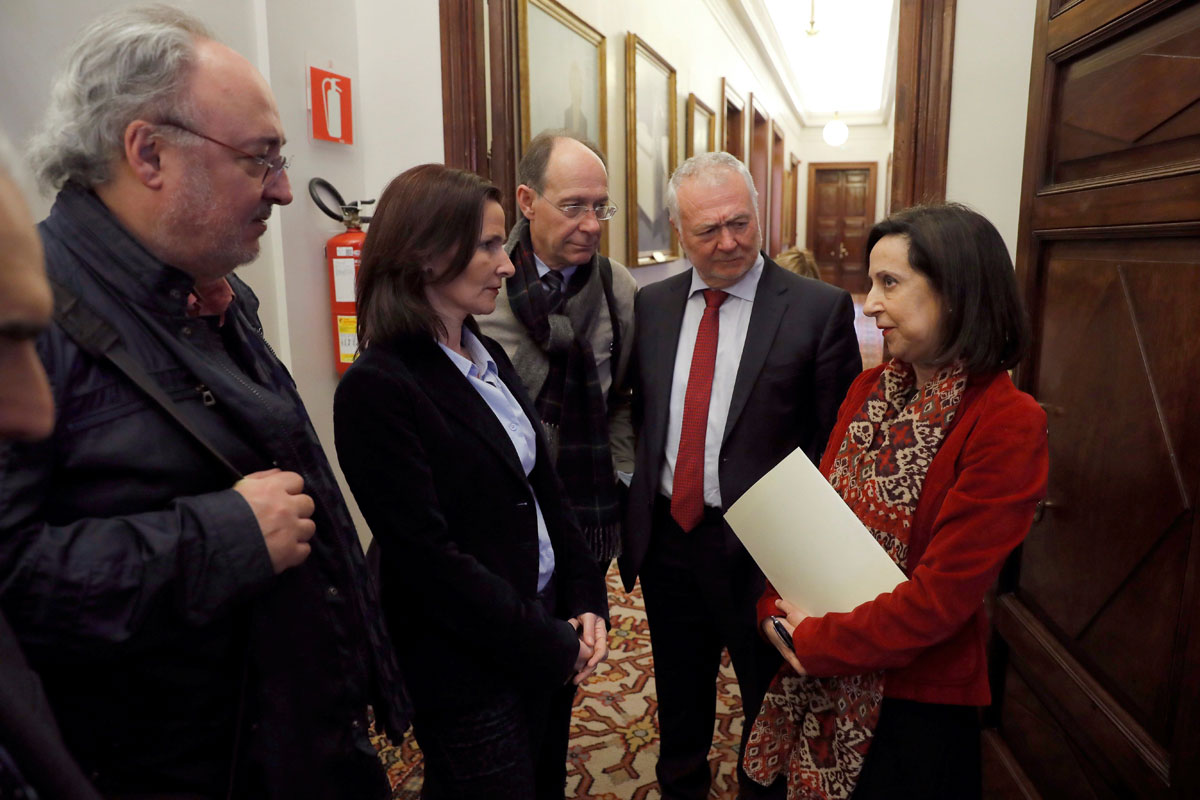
480, 371
733, 322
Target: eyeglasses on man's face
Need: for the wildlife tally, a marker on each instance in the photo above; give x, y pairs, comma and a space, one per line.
603, 211
273, 167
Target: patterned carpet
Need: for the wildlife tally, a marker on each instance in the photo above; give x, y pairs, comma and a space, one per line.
614, 729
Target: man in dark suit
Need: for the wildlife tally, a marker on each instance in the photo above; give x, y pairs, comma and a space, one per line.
738, 362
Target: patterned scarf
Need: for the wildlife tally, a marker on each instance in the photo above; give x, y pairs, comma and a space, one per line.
570, 403
819, 729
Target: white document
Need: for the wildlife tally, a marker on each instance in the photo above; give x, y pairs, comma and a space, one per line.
808, 542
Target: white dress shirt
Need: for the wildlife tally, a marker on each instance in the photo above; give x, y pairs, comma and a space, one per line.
733, 322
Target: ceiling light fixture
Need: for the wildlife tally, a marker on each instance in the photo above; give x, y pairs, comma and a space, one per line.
835, 132
812, 19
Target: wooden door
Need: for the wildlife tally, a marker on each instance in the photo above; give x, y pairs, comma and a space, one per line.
1097, 668
733, 123
775, 234
841, 211
758, 159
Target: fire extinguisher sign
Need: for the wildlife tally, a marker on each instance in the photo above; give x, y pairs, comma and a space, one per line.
329, 99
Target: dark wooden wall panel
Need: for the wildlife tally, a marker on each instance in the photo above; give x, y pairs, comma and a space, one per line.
1098, 614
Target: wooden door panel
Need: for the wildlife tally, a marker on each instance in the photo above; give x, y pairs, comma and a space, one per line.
1046, 753
1131, 643
1099, 613
1112, 743
854, 237
1133, 103
856, 197
1090, 334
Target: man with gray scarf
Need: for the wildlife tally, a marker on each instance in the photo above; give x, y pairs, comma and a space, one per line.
565, 318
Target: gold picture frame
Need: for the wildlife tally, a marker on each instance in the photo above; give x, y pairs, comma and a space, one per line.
561, 66
701, 127
651, 153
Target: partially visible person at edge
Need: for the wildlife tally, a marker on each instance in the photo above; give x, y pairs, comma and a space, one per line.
565, 318
494, 601
800, 262
197, 634
34, 762
944, 461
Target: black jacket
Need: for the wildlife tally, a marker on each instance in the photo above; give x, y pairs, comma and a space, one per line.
138, 580
446, 497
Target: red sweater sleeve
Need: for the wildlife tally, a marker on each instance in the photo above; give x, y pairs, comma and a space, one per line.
999, 477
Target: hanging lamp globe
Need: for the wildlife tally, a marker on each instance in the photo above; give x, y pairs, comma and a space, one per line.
835, 132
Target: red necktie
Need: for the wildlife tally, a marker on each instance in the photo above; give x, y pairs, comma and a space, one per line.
687, 491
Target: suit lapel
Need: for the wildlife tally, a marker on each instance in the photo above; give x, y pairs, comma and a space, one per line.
452, 392
770, 301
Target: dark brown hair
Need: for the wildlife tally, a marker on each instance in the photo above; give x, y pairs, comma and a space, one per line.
967, 262
532, 169
427, 222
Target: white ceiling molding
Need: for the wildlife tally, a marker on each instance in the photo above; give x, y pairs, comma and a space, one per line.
758, 25
740, 27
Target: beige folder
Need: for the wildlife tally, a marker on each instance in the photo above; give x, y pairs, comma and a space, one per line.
808, 542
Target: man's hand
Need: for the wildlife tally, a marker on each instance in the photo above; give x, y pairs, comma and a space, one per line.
594, 634
283, 513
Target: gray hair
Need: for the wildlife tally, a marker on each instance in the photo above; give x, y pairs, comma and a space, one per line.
129, 64
706, 166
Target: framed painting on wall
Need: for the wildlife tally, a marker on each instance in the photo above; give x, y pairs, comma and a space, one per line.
650, 153
562, 73
701, 127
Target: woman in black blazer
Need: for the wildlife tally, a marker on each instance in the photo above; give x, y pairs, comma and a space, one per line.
495, 607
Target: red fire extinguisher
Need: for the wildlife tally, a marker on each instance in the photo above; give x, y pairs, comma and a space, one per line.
342, 256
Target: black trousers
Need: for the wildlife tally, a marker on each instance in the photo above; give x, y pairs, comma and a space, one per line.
701, 588
512, 748
923, 750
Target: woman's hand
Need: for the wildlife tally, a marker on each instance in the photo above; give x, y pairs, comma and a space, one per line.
793, 614
593, 635
789, 622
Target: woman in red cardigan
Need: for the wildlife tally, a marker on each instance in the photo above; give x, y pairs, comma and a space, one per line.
944, 461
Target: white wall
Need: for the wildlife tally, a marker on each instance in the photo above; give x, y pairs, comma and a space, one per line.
988, 108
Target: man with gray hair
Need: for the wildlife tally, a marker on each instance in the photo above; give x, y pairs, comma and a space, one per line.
177, 559
739, 362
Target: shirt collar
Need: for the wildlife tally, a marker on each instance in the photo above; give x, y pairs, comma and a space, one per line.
479, 365
566, 271
210, 299
744, 289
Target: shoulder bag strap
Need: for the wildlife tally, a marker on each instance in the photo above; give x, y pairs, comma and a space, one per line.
100, 340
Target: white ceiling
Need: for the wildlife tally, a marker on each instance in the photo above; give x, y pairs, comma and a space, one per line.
848, 67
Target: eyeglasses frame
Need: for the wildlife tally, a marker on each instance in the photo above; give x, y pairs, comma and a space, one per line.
274, 166
609, 207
